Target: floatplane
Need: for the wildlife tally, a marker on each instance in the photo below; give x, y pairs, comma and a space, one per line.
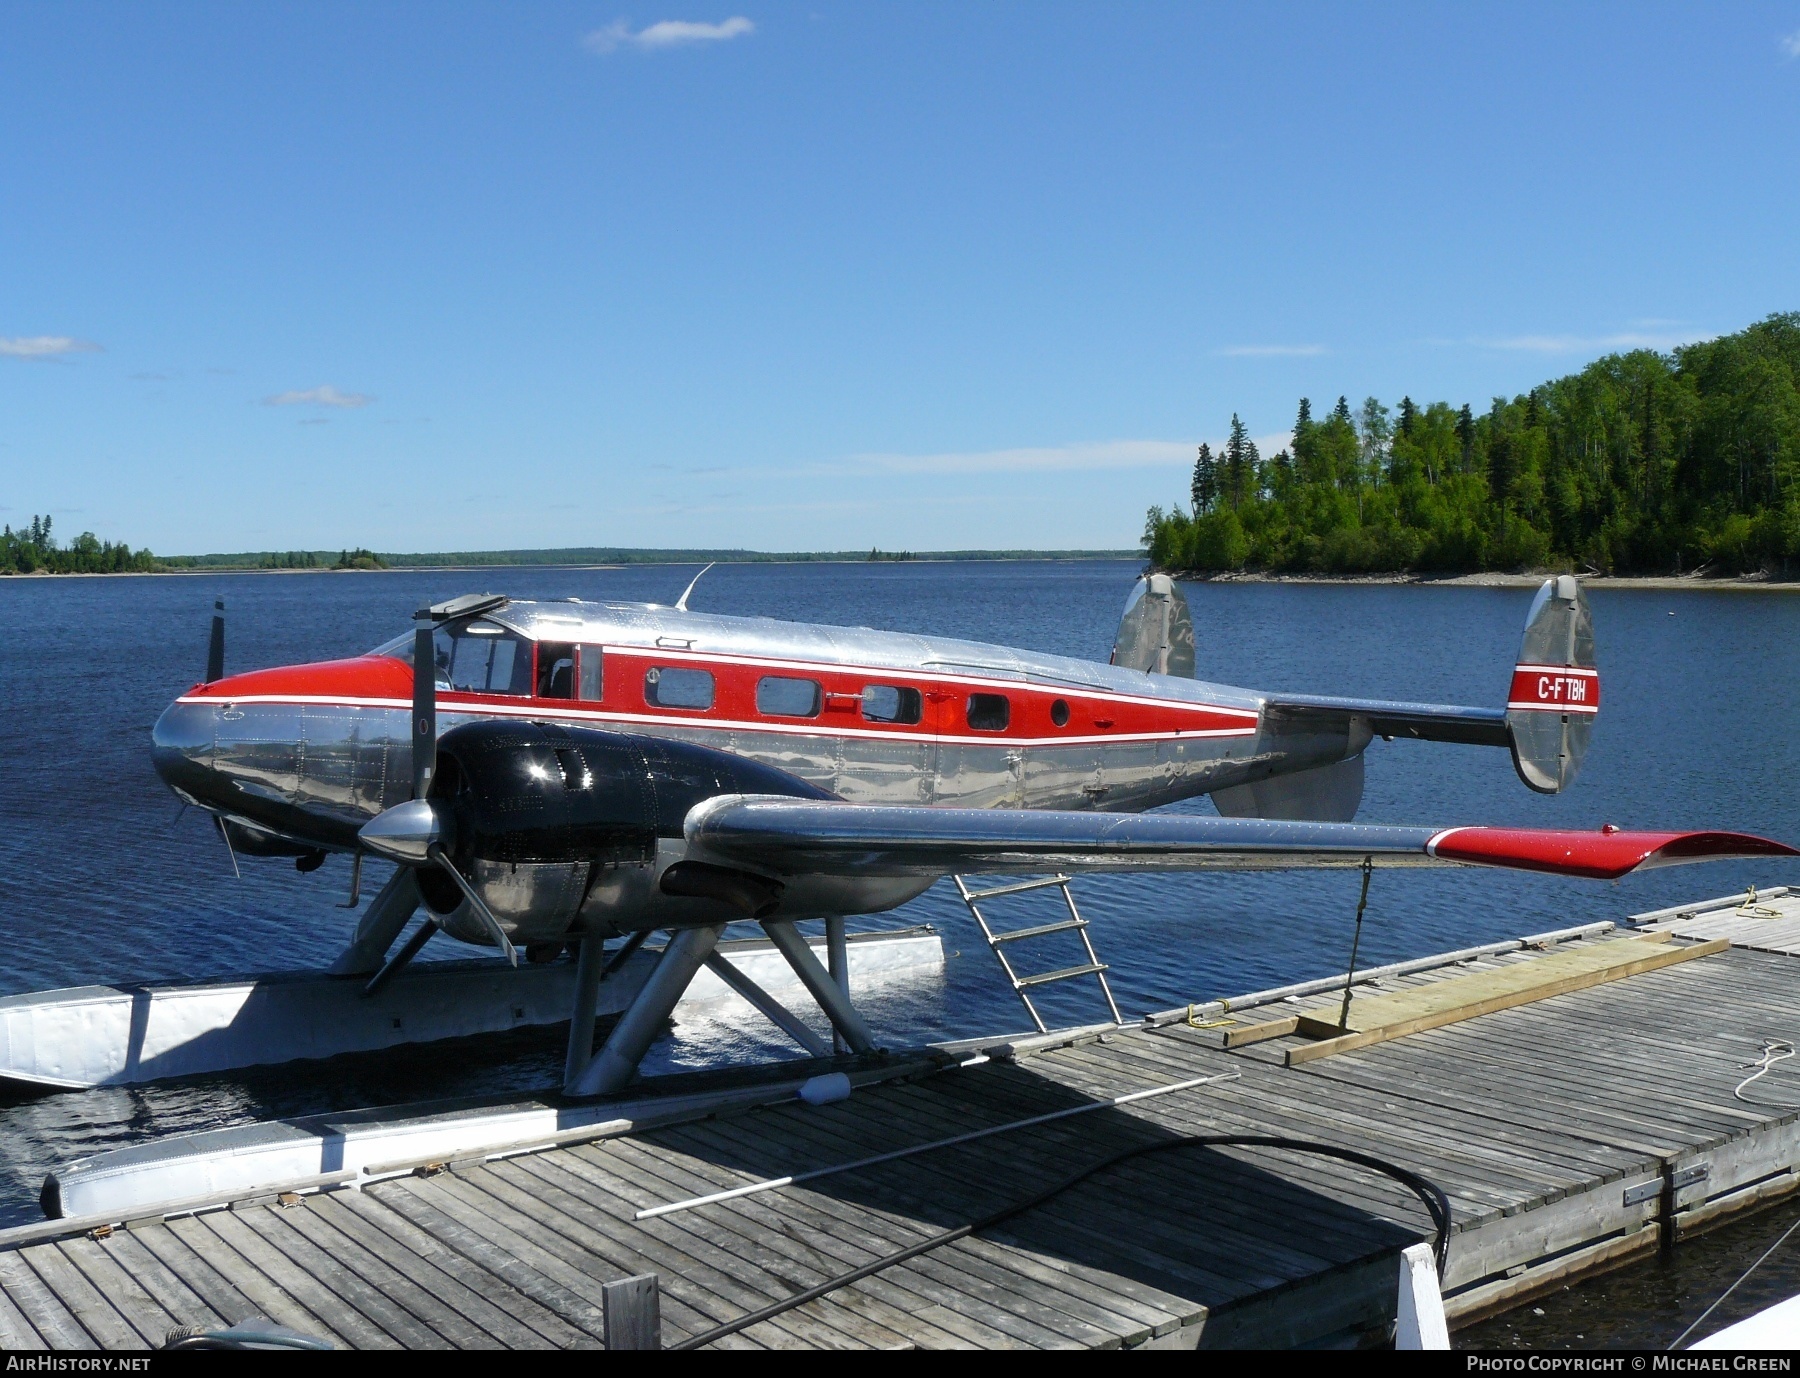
549, 776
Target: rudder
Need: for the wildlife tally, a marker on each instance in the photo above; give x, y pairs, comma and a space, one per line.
1555, 693
1156, 634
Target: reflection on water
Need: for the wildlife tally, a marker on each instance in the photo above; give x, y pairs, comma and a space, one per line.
1647, 1305
102, 878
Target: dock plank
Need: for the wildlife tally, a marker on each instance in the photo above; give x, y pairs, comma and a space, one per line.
504, 1252
143, 1312
806, 1274
55, 1323
495, 1324
97, 1315
266, 1297
386, 1299
796, 1262
175, 1295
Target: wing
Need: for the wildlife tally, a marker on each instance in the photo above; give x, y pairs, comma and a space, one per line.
807, 837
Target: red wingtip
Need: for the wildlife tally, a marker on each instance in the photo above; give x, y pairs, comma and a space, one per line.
1603, 855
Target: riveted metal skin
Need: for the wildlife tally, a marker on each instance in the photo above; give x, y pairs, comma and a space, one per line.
303, 757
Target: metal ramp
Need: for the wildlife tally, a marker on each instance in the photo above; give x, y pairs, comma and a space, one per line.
997, 941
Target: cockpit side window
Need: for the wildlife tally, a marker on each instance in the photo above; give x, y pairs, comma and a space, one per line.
479, 657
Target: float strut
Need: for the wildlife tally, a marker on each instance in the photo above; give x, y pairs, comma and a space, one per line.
381, 923
591, 967
616, 1062
837, 960
838, 1009
626, 948
770, 1008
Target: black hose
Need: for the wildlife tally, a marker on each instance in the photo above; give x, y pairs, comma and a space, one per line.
1428, 1192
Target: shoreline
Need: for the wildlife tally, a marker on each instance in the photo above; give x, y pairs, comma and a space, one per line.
1652, 583
1048, 559
1655, 583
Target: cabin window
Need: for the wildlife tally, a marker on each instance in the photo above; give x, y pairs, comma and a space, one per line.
556, 670
485, 658
787, 698
667, 686
891, 703
592, 682
1059, 712
989, 712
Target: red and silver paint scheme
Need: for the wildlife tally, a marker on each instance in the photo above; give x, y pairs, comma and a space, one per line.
546, 772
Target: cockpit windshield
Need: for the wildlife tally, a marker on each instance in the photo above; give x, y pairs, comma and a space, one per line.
479, 657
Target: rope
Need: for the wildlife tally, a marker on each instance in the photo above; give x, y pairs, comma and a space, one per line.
1368, 867
1757, 911
1774, 1050
1734, 1286
1437, 1205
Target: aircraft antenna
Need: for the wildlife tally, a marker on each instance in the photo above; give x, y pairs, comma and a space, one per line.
681, 602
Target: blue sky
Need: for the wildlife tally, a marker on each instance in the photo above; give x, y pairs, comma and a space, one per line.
458, 276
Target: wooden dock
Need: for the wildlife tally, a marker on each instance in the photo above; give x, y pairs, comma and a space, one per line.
1570, 1132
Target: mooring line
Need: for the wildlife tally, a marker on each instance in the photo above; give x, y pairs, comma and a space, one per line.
771, 1183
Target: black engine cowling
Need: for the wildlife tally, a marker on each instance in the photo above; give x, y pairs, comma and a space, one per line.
530, 796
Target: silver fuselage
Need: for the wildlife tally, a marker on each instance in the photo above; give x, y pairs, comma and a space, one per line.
301, 758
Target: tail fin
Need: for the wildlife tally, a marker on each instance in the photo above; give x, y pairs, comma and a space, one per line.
1555, 693
1156, 633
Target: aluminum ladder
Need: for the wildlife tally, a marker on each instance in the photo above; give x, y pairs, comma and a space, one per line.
997, 941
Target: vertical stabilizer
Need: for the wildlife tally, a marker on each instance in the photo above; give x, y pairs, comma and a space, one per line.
1156, 633
1555, 693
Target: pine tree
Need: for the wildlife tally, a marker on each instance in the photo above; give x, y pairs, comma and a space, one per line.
1205, 488
1341, 412
1240, 464
1465, 432
1407, 414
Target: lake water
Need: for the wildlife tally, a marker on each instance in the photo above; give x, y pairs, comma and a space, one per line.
103, 879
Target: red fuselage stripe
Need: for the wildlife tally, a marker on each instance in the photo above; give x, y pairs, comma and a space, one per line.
1093, 717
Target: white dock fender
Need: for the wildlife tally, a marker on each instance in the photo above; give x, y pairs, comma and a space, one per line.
1419, 1319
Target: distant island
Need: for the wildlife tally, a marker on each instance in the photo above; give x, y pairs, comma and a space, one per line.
36, 550
1640, 464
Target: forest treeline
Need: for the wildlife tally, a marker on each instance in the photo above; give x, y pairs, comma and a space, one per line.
35, 547
1641, 463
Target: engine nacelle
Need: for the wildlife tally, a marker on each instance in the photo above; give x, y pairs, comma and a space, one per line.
548, 821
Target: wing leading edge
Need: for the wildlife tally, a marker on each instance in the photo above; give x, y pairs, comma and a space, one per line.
807, 837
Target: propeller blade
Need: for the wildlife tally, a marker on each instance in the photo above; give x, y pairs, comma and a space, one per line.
424, 709
482, 912
215, 648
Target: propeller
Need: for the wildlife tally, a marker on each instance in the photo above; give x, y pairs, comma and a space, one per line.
215, 647
418, 832
424, 705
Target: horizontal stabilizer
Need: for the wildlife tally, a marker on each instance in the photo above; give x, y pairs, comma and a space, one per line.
1549, 716
818, 837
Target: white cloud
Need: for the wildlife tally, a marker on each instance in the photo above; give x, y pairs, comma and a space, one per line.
1271, 351
323, 396
667, 33
44, 346
1790, 43
1588, 344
